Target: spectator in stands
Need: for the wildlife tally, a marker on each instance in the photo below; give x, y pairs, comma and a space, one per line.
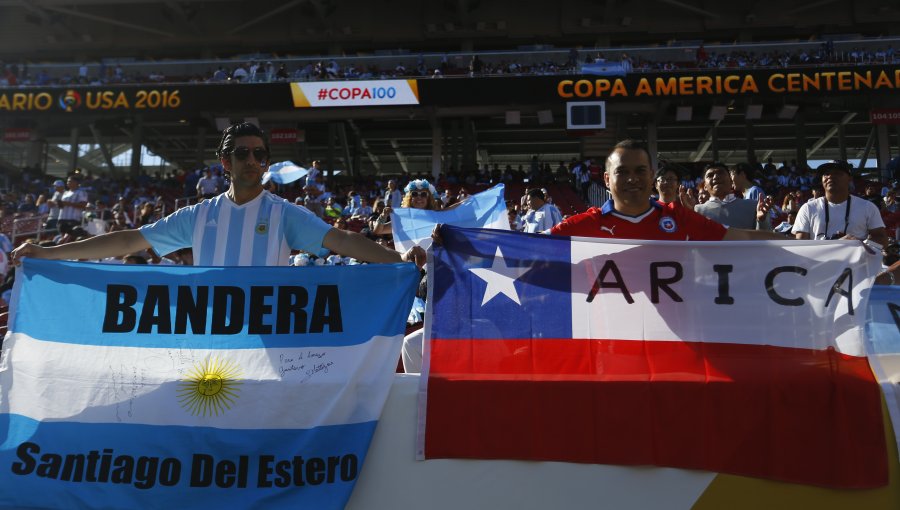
873, 195
147, 214
363, 211
784, 228
890, 202
581, 174
632, 214
724, 207
59, 188
392, 196
120, 222
240, 74
667, 179
244, 154
43, 208
208, 185
541, 215
220, 75
744, 177
72, 203
314, 171
419, 194
791, 202
332, 209
27, 206
372, 221
837, 215
702, 196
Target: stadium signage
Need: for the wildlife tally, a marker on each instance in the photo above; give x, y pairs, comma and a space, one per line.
885, 116
16, 135
73, 100
739, 83
355, 93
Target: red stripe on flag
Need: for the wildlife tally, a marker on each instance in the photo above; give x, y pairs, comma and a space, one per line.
795, 415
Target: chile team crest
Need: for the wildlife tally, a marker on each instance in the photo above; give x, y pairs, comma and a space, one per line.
667, 224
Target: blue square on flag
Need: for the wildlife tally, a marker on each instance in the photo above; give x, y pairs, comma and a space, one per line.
495, 284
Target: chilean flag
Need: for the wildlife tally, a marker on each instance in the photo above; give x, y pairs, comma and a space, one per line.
744, 358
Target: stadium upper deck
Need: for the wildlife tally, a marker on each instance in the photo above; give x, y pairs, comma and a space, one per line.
799, 110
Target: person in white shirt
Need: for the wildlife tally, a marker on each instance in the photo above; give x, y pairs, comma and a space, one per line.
838, 214
71, 204
59, 187
541, 216
245, 226
207, 186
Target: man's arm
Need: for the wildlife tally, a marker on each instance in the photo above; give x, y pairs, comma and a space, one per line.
114, 244
351, 244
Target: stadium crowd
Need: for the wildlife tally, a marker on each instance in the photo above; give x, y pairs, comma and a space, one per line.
298, 68
45, 209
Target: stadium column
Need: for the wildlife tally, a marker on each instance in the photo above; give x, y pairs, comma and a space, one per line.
454, 145
201, 146
751, 146
329, 168
34, 153
436, 139
897, 133
884, 150
652, 142
470, 144
137, 135
73, 144
842, 141
714, 139
800, 137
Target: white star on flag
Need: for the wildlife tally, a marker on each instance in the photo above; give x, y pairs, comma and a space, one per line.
500, 278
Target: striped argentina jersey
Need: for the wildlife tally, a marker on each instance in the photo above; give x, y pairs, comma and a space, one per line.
261, 232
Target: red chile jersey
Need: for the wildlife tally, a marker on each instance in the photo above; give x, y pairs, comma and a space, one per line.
662, 222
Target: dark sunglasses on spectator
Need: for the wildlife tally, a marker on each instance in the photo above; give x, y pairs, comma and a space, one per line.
417, 194
259, 154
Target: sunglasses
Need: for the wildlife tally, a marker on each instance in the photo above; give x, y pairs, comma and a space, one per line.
418, 194
259, 154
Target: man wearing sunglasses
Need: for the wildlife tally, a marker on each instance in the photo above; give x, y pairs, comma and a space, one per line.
245, 226
838, 214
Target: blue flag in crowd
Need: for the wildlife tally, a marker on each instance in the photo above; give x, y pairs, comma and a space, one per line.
413, 227
284, 173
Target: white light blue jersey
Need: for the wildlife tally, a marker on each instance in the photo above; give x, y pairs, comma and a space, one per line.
261, 232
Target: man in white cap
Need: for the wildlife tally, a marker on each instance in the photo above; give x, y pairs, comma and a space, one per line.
59, 187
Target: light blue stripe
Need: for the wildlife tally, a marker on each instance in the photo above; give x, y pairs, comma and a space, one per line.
882, 326
260, 245
235, 232
208, 243
66, 301
180, 443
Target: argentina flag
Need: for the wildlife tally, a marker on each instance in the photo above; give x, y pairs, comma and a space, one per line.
285, 172
413, 227
194, 387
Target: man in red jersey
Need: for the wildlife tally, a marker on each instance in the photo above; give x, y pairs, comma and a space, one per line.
632, 214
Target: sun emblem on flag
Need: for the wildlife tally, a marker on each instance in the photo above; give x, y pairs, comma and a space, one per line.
210, 388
